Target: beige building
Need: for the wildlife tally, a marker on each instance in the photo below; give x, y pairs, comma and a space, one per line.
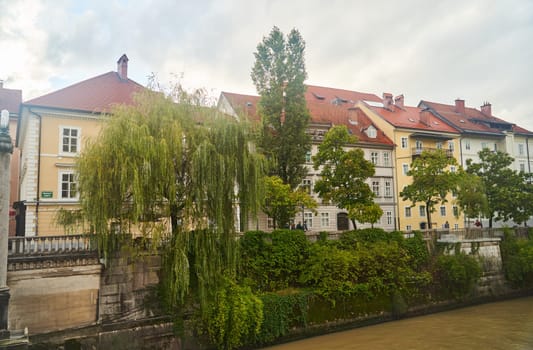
329, 107
414, 130
52, 132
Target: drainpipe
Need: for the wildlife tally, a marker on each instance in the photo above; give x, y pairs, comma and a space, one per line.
462, 164
527, 153
38, 172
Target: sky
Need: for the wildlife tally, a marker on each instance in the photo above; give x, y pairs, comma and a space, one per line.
477, 50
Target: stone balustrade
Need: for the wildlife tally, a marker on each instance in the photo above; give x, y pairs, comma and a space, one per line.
46, 245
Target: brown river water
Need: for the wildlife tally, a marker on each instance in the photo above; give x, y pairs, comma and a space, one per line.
506, 325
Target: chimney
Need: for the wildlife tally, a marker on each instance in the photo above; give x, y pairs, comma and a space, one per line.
460, 106
122, 67
398, 101
424, 117
387, 101
486, 109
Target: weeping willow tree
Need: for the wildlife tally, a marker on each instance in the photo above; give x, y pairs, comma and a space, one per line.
174, 172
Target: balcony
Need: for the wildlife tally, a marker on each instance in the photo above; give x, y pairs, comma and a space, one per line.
417, 151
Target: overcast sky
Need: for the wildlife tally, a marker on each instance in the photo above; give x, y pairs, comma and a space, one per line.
477, 50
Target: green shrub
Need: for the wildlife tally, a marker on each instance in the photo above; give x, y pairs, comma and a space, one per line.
517, 257
273, 261
234, 317
456, 275
281, 312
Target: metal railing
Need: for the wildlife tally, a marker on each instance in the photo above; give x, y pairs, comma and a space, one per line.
465, 234
44, 245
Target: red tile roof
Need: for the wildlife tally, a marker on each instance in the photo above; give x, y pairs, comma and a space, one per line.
472, 120
409, 117
323, 111
97, 94
10, 99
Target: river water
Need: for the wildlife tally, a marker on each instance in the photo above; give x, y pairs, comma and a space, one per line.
506, 325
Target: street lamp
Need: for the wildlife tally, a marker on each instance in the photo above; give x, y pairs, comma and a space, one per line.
6, 148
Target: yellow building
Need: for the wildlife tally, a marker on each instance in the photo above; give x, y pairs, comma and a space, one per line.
52, 132
414, 130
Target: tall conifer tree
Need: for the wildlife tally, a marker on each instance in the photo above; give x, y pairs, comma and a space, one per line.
279, 74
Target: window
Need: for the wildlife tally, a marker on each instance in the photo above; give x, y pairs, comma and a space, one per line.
521, 149
456, 226
70, 140
484, 145
371, 132
374, 156
419, 145
375, 188
270, 223
405, 168
69, 188
454, 193
455, 210
438, 145
451, 146
324, 219
386, 158
467, 144
405, 143
522, 167
422, 211
408, 228
407, 212
388, 214
308, 220
307, 185
388, 189
453, 169
443, 211
308, 157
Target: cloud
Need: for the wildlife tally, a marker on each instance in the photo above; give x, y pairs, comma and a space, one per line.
478, 50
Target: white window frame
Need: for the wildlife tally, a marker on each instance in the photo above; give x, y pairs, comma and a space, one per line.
61, 182
405, 142
386, 158
307, 185
422, 211
388, 214
467, 145
451, 145
388, 189
408, 228
308, 157
407, 211
405, 168
308, 219
376, 188
455, 211
62, 129
520, 149
371, 132
522, 167
324, 219
442, 210
374, 157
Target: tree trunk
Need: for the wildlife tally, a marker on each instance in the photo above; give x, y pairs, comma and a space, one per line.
428, 216
354, 224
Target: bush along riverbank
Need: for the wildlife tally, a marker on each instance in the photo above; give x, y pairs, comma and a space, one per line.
288, 287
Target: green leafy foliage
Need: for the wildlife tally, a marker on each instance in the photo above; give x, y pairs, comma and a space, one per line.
281, 202
279, 74
509, 195
517, 257
343, 175
273, 261
234, 316
281, 313
456, 275
432, 181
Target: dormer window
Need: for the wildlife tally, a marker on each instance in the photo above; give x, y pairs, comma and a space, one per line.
371, 132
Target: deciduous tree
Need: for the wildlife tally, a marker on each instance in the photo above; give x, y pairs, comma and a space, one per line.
343, 173
432, 180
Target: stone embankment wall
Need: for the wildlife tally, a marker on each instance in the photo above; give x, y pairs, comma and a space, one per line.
52, 298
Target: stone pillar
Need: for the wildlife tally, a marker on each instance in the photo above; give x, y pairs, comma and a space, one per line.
6, 148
